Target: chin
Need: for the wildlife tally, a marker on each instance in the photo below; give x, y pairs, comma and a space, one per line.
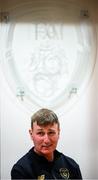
47, 151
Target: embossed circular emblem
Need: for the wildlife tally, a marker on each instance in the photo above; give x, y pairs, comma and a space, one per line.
46, 60
64, 173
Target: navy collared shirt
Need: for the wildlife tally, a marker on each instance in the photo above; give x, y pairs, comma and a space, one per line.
34, 166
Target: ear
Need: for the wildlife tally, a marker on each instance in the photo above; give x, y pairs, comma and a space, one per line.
59, 131
30, 132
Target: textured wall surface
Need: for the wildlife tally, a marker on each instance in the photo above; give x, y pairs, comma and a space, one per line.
49, 58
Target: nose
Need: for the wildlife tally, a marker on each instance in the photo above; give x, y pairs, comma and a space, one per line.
46, 138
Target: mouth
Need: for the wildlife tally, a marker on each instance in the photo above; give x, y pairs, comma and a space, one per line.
47, 146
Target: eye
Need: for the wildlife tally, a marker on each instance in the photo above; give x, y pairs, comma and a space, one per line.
51, 133
40, 133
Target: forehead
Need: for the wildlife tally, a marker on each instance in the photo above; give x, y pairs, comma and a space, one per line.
53, 126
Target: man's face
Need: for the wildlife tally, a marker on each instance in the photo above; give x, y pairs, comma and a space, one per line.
45, 138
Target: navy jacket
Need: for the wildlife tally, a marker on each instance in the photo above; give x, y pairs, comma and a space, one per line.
33, 166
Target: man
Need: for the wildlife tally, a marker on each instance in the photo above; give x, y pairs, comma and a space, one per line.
43, 161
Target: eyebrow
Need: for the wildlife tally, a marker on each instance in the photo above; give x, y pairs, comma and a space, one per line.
39, 129
43, 129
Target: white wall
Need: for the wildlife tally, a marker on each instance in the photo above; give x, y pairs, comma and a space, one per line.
79, 122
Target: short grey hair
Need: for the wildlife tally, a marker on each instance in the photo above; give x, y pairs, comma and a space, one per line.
44, 117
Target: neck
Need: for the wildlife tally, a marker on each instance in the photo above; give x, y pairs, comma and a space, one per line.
49, 157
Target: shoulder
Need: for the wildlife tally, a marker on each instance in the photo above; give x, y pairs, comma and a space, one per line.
69, 161
24, 160
23, 167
